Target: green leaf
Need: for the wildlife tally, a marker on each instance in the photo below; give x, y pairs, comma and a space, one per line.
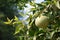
19, 27
17, 30
16, 19
8, 21
23, 15
32, 9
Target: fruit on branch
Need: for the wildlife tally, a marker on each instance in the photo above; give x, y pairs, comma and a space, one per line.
58, 4
42, 21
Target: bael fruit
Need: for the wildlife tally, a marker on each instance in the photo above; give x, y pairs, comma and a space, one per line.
42, 21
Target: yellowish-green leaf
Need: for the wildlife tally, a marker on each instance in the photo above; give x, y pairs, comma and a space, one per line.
33, 9
8, 21
18, 28
16, 18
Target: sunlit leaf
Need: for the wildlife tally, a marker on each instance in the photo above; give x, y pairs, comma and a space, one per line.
18, 28
32, 9
8, 21
23, 15
16, 18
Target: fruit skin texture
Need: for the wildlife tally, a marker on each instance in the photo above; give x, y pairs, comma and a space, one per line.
42, 21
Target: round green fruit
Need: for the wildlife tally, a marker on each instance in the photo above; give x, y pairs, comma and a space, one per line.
42, 21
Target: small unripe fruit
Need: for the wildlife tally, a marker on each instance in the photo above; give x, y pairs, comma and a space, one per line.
42, 21
57, 4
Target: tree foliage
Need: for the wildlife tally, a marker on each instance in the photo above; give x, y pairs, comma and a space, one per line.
16, 29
